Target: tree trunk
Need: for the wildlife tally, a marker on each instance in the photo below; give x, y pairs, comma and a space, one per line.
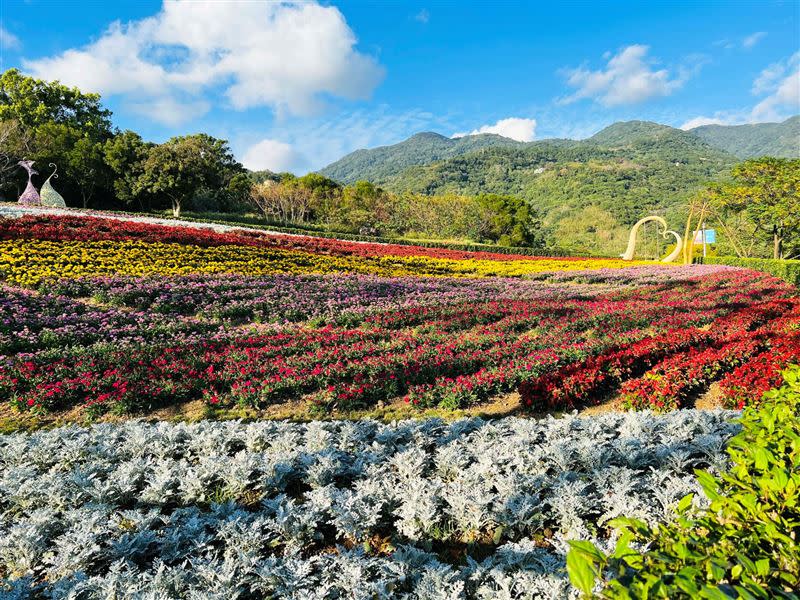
176, 209
777, 246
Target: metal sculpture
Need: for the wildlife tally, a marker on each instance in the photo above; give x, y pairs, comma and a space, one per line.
629, 252
30, 196
49, 196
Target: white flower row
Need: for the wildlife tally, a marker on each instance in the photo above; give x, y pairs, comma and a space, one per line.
416, 509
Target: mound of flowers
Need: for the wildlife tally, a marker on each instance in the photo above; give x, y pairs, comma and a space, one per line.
29, 261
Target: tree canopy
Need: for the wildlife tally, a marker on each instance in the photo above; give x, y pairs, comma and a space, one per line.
767, 190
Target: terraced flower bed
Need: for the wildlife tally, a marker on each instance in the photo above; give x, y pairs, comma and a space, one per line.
131, 317
103, 319
135, 345
67, 247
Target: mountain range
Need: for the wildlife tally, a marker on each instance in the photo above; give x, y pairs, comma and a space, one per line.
587, 192
761, 139
383, 163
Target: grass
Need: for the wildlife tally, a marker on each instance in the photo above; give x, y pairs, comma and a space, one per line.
13, 421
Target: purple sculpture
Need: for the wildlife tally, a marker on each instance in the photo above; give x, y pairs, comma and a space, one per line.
30, 196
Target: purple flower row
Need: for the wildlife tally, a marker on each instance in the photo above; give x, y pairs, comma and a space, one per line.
123, 310
340, 299
30, 322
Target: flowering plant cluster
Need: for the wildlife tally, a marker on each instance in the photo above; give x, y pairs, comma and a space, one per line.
29, 261
325, 510
746, 384
440, 342
733, 340
84, 229
31, 323
334, 299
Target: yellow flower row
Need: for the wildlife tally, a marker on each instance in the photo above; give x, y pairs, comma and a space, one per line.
26, 262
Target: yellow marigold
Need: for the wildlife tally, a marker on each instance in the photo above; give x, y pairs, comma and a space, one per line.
26, 262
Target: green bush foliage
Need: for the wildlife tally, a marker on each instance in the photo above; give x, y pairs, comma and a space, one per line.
788, 270
745, 545
315, 231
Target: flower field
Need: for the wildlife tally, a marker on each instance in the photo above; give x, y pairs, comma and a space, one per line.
105, 315
102, 319
32, 250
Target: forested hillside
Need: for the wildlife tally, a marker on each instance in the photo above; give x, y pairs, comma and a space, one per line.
379, 164
760, 139
587, 192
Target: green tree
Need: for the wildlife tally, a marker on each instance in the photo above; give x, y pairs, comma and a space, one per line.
34, 103
15, 144
513, 222
182, 166
83, 170
58, 124
364, 207
238, 192
768, 191
125, 155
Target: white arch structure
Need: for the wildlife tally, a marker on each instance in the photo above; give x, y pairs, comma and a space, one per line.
630, 251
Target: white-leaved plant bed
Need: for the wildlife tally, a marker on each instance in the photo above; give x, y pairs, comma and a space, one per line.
416, 509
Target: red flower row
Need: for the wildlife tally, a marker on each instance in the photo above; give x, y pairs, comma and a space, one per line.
734, 341
558, 353
75, 228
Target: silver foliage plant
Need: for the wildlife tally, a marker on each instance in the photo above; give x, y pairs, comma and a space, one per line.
414, 509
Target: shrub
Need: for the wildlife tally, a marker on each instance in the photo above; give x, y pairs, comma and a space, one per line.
788, 270
745, 545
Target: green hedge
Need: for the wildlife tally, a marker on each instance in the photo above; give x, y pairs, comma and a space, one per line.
745, 545
785, 269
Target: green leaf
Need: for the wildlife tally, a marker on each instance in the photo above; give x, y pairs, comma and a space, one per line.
580, 571
685, 502
588, 550
709, 484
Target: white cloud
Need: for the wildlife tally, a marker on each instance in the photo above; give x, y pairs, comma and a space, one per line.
522, 130
282, 55
170, 111
628, 78
781, 83
752, 39
321, 141
423, 16
8, 39
700, 121
273, 155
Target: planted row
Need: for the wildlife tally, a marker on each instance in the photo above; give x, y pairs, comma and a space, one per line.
91, 228
448, 355
29, 261
414, 509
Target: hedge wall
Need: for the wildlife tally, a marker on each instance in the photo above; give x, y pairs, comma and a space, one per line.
785, 269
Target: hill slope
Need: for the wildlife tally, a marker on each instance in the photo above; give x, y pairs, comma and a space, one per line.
587, 192
378, 164
626, 168
760, 139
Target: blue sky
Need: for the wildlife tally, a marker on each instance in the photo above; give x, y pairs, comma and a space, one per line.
296, 86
